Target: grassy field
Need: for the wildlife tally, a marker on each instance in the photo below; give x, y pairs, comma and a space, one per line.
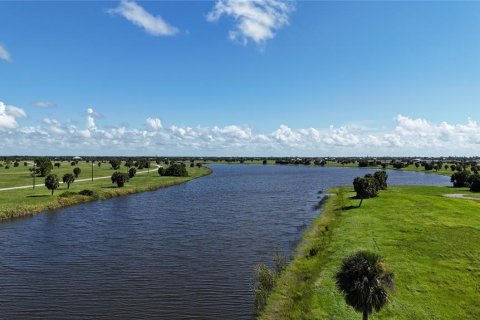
430, 242
21, 175
20, 202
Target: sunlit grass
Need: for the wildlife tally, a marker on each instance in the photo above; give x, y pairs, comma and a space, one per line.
429, 241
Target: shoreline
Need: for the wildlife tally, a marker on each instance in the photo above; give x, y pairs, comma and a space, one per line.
105, 193
395, 224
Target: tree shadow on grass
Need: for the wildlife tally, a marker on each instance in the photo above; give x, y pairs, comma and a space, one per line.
39, 196
110, 187
349, 208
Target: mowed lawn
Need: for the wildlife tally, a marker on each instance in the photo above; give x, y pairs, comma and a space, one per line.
21, 175
430, 242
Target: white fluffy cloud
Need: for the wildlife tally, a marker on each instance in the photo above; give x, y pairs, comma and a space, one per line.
154, 123
4, 54
44, 104
8, 116
409, 136
256, 20
136, 14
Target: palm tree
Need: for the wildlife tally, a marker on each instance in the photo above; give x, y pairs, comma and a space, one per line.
365, 281
68, 178
51, 182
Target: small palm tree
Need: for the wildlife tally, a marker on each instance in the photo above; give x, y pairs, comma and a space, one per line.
365, 281
68, 178
51, 182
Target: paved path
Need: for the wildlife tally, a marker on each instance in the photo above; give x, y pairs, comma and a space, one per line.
79, 180
460, 196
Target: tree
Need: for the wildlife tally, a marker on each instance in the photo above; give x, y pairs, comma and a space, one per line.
44, 166
57, 164
115, 163
129, 163
365, 188
264, 161
132, 172
119, 178
474, 182
161, 171
176, 170
460, 179
77, 172
68, 178
52, 182
365, 282
381, 177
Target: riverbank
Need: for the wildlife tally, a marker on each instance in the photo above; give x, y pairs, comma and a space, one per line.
23, 202
429, 241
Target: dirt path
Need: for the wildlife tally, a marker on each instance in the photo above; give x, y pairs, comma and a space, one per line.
460, 196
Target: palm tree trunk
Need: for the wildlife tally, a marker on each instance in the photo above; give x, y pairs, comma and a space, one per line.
365, 315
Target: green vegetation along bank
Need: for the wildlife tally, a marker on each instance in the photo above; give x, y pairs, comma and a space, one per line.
21, 202
429, 241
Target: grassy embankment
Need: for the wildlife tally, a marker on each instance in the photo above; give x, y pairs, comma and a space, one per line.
430, 242
21, 202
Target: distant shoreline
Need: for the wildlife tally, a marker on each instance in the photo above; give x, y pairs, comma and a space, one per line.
7, 211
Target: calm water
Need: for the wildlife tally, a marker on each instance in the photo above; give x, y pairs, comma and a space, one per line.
185, 252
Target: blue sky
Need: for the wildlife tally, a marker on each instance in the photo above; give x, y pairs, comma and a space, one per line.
240, 78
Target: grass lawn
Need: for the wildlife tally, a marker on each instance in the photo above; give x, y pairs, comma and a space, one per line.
430, 242
21, 202
21, 176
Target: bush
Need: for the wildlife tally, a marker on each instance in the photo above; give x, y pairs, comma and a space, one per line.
460, 179
381, 177
57, 164
176, 170
67, 194
474, 182
161, 171
132, 172
88, 193
16, 164
77, 172
199, 165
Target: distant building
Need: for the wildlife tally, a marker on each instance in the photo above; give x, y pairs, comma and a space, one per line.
77, 158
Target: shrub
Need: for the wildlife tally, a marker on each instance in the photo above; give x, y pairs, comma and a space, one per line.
77, 172
115, 163
25, 163
161, 171
474, 182
460, 179
176, 170
16, 164
132, 172
67, 194
88, 193
381, 177
199, 165
57, 164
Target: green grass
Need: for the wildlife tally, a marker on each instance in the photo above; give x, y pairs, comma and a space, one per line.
20, 202
21, 176
430, 242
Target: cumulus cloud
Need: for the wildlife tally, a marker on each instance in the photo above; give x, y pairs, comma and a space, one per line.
256, 20
136, 14
8, 116
408, 136
4, 54
44, 104
154, 123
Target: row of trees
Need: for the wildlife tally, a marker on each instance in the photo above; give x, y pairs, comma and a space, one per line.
462, 179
